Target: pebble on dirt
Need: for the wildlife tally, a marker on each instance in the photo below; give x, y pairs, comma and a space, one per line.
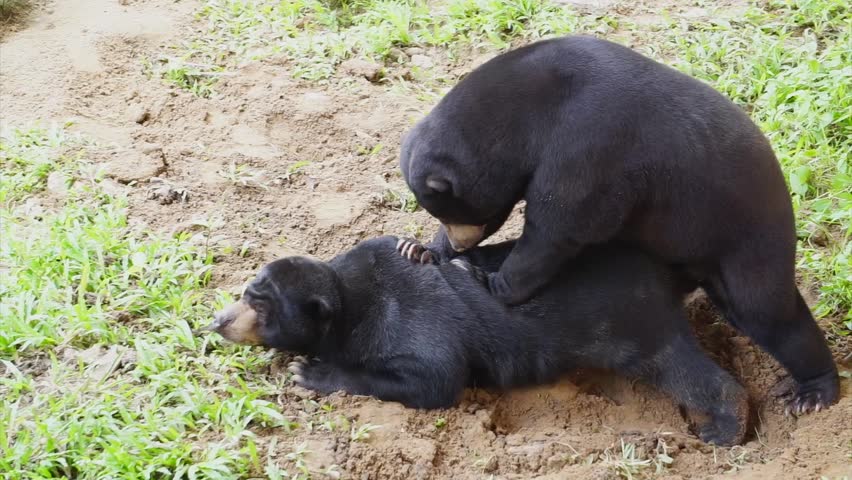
372, 71
138, 114
422, 61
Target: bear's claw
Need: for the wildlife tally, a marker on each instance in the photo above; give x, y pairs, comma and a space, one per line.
414, 251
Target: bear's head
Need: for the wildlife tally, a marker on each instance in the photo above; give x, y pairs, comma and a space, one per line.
457, 183
289, 306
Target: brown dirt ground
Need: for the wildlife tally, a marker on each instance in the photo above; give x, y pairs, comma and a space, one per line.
81, 59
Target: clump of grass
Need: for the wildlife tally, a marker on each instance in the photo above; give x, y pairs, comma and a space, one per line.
14, 8
76, 275
196, 78
404, 200
362, 433
625, 461
630, 462
318, 35
242, 175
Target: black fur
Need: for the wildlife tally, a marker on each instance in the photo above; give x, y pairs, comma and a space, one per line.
603, 143
419, 334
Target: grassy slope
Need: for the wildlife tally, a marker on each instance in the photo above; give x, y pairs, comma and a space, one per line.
74, 275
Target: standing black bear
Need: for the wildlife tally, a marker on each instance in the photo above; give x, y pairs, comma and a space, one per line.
603, 143
418, 335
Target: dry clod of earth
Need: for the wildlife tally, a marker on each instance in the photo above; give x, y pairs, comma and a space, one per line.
422, 61
357, 67
134, 166
138, 114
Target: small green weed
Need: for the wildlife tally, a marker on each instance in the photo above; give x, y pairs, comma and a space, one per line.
361, 433
403, 201
243, 175
295, 169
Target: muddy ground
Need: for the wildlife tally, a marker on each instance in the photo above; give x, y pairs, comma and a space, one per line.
172, 154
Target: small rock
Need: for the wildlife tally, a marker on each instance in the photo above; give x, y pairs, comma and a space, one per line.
131, 166
57, 184
138, 114
31, 208
166, 193
484, 417
69, 355
414, 51
89, 355
397, 55
111, 187
121, 316
149, 148
91, 298
515, 440
363, 68
820, 238
529, 450
491, 465
302, 392
422, 61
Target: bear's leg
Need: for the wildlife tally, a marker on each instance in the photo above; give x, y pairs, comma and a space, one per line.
410, 383
716, 402
759, 296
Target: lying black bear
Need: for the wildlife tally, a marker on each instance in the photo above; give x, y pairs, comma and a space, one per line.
380, 326
603, 143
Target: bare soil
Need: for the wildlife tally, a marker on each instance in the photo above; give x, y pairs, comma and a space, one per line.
171, 153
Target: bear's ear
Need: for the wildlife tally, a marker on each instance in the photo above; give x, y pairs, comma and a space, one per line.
438, 184
318, 308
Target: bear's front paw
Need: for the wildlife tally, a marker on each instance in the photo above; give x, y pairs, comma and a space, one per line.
311, 374
480, 275
500, 288
414, 251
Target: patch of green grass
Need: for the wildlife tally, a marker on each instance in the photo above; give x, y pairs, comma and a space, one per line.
790, 66
100, 375
318, 35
